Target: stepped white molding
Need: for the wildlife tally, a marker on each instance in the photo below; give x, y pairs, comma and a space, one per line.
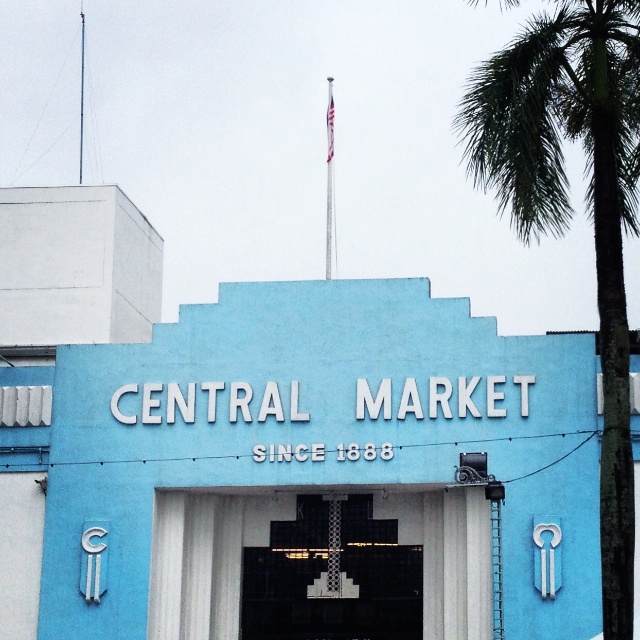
26, 406
320, 587
634, 393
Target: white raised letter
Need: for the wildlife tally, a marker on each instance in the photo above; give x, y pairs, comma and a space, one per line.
364, 397
494, 396
149, 403
93, 532
300, 456
524, 382
464, 397
212, 389
236, 402
271, 403
317, 452
259, 453
115, 399
410, 401
296, 416
435, 397
284, 452
175, 398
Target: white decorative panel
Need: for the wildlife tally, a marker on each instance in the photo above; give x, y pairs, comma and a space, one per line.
479, 570
455, 565
634, 384
433, 577
25, 406
8, 404
166, 567
634, 393
198, 566
228, 570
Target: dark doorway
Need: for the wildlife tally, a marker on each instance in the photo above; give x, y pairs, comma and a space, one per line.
276, 601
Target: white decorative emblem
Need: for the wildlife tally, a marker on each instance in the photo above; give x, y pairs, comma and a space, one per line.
548, 560
93, 575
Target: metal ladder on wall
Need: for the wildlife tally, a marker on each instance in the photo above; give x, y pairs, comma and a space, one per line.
496, 560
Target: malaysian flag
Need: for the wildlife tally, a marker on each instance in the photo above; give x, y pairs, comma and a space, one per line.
330, 118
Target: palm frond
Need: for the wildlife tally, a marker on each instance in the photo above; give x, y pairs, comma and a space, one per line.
629, 7
633, 166
624, 105
626, 83
506, 3
511, 140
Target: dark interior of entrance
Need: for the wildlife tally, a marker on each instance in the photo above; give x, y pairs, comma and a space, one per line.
334, 573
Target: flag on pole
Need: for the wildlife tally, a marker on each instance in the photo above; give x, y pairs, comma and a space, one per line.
330, 117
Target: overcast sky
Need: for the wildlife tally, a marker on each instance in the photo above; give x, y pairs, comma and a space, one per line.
211, 116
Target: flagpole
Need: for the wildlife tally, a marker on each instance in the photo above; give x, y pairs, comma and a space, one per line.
82, 94
330, 117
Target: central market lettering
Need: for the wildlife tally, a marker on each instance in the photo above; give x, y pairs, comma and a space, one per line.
153, 403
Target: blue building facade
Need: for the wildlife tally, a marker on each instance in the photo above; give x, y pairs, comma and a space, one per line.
302, 426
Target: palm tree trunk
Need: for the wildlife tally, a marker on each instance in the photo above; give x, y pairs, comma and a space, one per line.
617, 517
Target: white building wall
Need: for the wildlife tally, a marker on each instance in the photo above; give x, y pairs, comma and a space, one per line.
21, 524
137, 273
80, 265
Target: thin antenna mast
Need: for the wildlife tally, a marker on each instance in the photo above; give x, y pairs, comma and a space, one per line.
82, 94
330, 118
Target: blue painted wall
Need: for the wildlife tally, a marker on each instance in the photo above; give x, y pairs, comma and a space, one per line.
325, 335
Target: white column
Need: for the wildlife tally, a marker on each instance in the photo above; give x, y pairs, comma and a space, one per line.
166, 566
433, 567
479, 585
228, 570
198, 567
455, 565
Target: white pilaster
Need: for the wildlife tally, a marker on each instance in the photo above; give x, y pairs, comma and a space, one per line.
227, 570
479, 586
166, 566
198, 567
433, 567
455, 565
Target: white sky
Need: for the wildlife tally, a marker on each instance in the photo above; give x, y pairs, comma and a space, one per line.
210, 115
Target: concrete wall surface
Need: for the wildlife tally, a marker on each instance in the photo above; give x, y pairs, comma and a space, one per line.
59, 282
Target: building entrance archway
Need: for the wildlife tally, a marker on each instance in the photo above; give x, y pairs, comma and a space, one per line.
335, 573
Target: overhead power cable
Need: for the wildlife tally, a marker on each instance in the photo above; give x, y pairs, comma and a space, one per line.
399, 447
44, 109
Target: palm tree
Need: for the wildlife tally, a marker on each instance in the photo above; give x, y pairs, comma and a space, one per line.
574, 74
